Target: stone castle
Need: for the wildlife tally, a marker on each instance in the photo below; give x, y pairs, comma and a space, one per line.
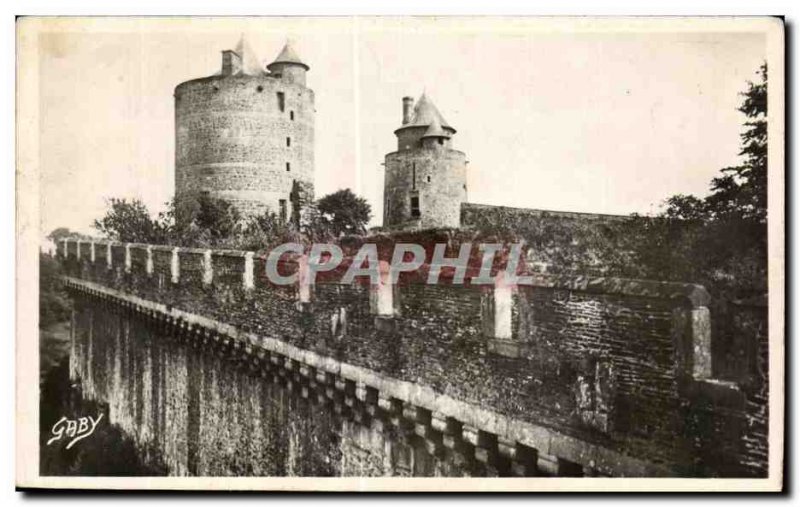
426, 179
246, 134
212, 369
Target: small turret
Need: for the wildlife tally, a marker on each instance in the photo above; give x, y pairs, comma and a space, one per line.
435, 135
425, 180
288, 66
417, 119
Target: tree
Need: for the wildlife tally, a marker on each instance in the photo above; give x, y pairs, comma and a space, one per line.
190, 220
200, 220
314, 226
685, 207
345, 212
61, 233
719, 241
129, 221
264, 231
741, 191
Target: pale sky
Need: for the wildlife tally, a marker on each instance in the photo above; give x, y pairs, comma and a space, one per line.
594, 121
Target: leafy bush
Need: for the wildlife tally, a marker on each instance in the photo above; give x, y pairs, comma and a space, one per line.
130, 222
344, 212
720, 241
200, 220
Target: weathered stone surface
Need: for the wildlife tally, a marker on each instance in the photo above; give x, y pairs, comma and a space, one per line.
437, 177
560, 242
425, 180
238, 141
436, 356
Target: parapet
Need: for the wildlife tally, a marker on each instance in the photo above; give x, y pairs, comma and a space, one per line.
572, 353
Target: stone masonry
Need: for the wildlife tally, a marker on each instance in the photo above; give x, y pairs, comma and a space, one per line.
589, 376
425, 179
246, 134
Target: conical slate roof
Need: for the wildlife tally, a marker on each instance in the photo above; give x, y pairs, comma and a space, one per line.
425, 113
288, 55
435, 129
250, 62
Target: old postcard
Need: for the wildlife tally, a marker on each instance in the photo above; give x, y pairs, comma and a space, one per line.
400, 253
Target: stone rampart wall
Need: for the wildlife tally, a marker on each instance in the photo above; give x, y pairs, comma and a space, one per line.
607, 372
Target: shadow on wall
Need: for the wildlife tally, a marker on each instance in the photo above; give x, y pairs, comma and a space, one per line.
106, 452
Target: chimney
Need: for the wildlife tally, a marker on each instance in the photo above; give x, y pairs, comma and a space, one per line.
231, 63
408, 107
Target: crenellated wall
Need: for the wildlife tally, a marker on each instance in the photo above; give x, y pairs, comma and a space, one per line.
583, 376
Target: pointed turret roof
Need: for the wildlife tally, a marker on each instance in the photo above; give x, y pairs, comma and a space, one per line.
425, 113
288, 55
250, 62
435, 129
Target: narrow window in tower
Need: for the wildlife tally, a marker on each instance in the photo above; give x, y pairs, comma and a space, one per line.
282, 209
415, 206
413, 176
291, 115
288, 167
441, 141
281, 101
288, 142
428, 179
388, 206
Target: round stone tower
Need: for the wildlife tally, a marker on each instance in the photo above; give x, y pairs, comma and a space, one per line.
426, 179
246, 134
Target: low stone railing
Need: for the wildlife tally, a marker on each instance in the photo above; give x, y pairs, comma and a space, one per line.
609, 362
692, 316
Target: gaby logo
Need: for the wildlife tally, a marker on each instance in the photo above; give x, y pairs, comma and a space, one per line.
76, 429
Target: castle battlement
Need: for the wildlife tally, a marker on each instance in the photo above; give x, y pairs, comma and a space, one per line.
571, 375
